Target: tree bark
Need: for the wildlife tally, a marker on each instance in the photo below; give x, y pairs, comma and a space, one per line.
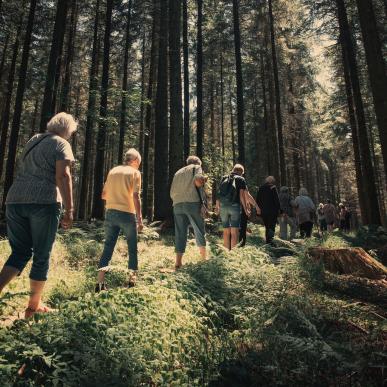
99, 177
176, 140
161, 211
8, 97
3, 56
281, 148
199, 83
86, 181
187, 134
239, 84
376, 69
355, 137
368, 170
17, 112
55, 52
66, 87
124, 96
148, 134
142, 105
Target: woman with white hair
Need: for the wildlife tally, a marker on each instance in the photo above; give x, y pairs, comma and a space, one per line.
305, 212
33, 205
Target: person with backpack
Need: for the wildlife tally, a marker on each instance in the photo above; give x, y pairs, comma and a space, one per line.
268, 202
287, 217
231, 199
305, 210
42, 187
121, 193
189, 206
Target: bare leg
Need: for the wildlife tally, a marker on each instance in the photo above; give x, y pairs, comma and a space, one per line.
7, 274
179, 259
101, 276
234, 236
227, 238
203, 252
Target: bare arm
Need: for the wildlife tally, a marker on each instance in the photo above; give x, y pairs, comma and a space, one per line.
251, 202
137, 206
65, 185
244, 202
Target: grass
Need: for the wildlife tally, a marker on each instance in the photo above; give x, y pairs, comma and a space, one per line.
243, 318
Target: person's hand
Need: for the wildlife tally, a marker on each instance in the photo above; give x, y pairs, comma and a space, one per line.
258, 210
248, 211
67, 220
140, 226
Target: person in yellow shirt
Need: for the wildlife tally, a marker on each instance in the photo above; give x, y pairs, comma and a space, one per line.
123, 213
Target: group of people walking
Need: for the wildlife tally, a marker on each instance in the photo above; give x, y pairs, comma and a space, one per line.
41, 197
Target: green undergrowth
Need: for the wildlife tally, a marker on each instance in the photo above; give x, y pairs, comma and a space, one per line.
255, 316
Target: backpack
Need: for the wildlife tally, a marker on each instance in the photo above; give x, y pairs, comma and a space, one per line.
227, 190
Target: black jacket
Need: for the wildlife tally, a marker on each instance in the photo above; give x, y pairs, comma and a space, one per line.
268, 201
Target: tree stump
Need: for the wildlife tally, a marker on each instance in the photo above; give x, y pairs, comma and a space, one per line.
354, 261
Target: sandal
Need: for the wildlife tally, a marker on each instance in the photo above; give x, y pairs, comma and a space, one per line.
29, 312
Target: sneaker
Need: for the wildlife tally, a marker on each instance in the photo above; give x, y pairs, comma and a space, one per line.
100, 286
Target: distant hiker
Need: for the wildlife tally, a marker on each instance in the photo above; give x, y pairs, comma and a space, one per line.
287, 217
33, 206
268, 202
322, 222
305, 213
188, 199
231, 199
345, 218
123, 213
330, 215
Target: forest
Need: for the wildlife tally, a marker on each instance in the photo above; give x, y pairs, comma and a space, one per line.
294, 89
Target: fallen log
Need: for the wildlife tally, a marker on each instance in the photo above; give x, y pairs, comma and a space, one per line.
354, 261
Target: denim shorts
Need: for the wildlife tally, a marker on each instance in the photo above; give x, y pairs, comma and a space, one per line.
230, 215
31, 233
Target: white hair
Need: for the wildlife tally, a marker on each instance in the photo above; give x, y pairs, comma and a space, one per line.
62, 124
132, 155
303, 191
270, 180
193, 160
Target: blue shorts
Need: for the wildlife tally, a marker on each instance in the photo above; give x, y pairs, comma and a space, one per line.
230, 215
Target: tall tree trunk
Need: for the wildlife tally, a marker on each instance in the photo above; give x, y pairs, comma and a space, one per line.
85, 186
281, 148
124, 96
99, 177
368, 170
376, 69
176, 140
355, 138
232, 125
161, 211
222, 107
199, 82
186, 81
8, 97
65, 94
148, 134
239, 83
142, 105
265, 113
55, 53
3, 56
17, 112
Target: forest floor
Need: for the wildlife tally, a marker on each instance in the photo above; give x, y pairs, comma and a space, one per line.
255, 316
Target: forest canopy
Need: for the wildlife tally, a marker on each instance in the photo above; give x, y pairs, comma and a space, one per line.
294, 89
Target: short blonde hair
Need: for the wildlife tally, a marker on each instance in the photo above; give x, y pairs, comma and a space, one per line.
239, 169
62, 124
193, 160
131, 155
